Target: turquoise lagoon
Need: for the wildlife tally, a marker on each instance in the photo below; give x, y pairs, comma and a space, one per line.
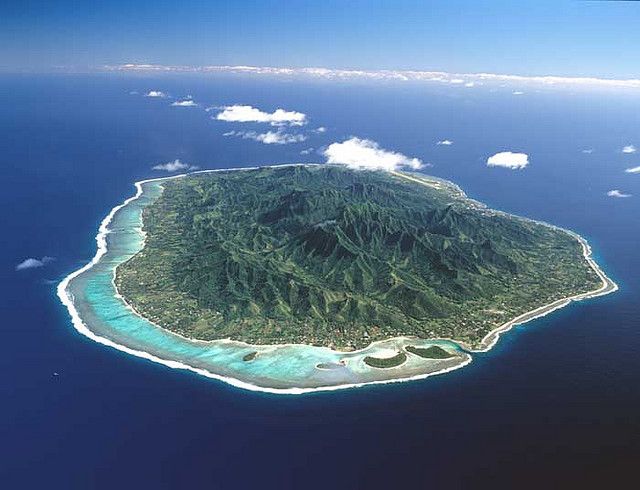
100, 313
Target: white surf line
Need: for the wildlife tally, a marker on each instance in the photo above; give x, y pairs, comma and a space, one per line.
67, 300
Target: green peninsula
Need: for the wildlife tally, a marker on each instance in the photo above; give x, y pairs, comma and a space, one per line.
331, 256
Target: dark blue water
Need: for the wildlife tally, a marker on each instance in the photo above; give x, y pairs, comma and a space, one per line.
555, 404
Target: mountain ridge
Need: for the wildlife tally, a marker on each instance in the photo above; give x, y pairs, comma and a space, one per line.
331, 256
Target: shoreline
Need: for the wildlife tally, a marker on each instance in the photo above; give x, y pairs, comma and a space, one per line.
608, 286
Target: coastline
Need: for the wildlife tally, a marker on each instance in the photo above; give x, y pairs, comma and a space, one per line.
608, 285
488, 341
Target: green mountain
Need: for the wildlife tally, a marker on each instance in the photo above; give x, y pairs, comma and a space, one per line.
331, 256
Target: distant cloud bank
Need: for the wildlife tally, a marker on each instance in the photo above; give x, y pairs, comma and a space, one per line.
247, 113
363, 153
507, 159
617, 193
629, 149
174, 166
461, 79
32, 263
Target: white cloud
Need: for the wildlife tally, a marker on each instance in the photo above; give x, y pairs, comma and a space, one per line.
278, 138
321, 129
629, 149
174, 166
184, 103
247, 113
269, 138
633, 170
444, 143
363, 153
307, 151
470, 84
518, 92
34, 263
587, 151
399, 75
617, 193
508, 159
155, 93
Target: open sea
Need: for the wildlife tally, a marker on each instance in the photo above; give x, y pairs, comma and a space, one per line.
556, 404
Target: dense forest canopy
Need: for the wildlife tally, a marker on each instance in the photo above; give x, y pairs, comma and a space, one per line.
332, 256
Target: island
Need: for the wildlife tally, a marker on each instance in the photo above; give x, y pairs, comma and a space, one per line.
250, 356
299, 278
432, 352
386, 362
340, 258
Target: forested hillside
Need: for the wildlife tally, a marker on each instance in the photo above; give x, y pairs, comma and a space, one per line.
332, 256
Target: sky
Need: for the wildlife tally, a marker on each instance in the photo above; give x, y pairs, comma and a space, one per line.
541, 37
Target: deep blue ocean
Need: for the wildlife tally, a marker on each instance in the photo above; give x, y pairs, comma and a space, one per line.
555, 404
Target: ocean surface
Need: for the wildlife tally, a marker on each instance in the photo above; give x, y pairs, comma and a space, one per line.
555, 403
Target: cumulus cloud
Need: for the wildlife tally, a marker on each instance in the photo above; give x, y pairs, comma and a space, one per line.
633, 170
270, 137
617, 193
321, 129
363, 153
444, 143
629, 149
508, 159
184, 103
247, 113
278, 138
174, 166
32, 263
155, 93
306, 151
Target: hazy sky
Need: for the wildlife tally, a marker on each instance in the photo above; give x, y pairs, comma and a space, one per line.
560, 37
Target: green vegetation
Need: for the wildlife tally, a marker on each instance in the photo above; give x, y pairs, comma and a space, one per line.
386, 362
433, 352
325, 255
250, 356
330, 365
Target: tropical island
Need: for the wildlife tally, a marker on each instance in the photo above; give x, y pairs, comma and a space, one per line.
329, 256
